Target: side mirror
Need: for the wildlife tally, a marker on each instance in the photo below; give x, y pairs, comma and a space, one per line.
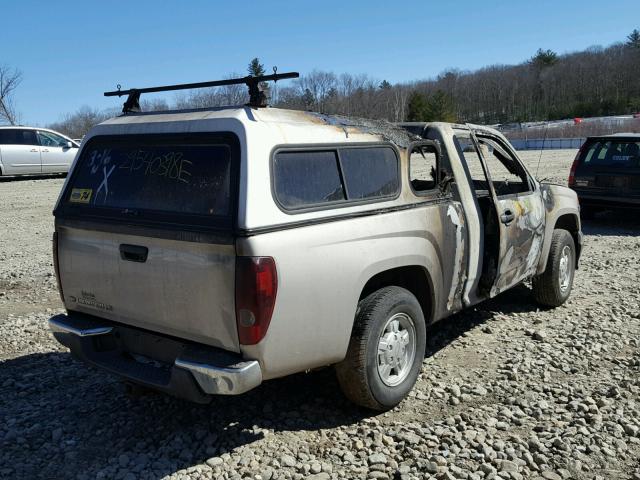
69, 145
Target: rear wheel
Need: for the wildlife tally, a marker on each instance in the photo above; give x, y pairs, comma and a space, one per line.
553, 286
386, 349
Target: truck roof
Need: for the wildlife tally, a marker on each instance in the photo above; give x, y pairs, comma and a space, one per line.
364, 129
617, 135
322, 125
422, 125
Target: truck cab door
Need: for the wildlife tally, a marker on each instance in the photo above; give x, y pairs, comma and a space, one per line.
444, 220
519, 209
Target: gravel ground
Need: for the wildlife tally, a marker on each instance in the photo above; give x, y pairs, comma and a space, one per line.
508, 391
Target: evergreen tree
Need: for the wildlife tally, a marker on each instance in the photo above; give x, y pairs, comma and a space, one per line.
255, 68
384, 85
417, 108
440, 108
633, 39
544, 58
308, 100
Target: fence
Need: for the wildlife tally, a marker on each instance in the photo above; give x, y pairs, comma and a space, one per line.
547, 143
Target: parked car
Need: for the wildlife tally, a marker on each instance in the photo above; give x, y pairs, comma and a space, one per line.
606, 173
204, 252
34, 151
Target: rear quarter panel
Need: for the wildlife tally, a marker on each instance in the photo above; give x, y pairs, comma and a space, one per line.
322, 270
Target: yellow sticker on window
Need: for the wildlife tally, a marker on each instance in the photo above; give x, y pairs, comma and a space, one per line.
80, 195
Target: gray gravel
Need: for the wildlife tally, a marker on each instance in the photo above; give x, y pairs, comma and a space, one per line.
508, 391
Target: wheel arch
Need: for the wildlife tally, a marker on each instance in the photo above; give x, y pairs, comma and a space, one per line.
566, 220
414, 278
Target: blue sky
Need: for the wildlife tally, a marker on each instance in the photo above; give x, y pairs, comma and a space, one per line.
71, 51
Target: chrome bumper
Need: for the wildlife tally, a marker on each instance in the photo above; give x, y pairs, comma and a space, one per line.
216, 372
231, 380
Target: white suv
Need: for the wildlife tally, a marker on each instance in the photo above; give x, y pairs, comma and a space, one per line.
34, 151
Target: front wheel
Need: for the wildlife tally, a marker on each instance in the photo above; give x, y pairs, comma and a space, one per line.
385, 351
553, 286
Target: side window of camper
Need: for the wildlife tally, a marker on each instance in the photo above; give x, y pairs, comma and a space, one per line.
369, 172
318, 178
307, 178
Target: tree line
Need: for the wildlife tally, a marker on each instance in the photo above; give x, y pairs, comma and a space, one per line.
596, 81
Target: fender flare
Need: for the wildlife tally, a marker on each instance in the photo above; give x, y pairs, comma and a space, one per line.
548, 233
418, 261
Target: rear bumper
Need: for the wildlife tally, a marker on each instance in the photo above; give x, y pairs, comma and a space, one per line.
180, 368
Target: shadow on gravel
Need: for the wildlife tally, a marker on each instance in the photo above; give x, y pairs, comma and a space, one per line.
22, 178
60, 418
622, 223
516, 300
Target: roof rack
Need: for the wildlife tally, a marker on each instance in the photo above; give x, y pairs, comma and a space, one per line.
257, 98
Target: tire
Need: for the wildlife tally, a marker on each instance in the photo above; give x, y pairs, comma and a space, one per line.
549, 288
366, 377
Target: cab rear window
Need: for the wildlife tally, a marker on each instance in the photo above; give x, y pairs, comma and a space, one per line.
154, 177
622, 153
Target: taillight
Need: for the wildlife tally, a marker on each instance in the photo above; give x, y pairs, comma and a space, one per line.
574, 165
56, 266
256, 287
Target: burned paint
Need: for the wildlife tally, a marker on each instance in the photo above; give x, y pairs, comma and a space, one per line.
388, 131
559, 205
455, 214
521, 241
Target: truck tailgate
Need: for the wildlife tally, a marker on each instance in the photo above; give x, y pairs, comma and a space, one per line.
184, 289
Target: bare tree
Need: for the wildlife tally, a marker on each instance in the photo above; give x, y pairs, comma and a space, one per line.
594, 82
77, 124
9, 81
319, 84
215, 97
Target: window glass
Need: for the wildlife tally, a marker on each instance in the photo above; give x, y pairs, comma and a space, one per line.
7, 137
423, 168
16, 136
48, 139
613, 153
135, 176
507, 175
307, 178
369, 172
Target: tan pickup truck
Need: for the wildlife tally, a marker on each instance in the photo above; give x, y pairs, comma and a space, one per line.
204, 252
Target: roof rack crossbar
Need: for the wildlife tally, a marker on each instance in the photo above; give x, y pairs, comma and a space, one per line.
257, 97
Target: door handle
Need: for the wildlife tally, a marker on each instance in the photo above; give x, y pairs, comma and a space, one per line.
133, 253
507, 217
33, 150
